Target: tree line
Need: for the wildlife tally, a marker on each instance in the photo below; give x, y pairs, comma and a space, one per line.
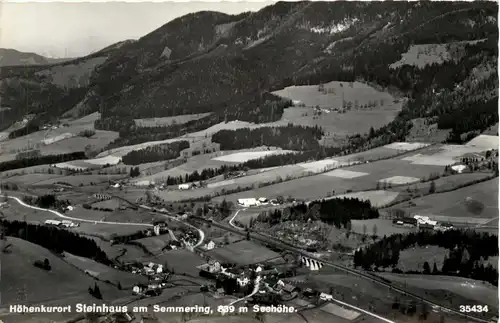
30, 127
41, 160
468, 251
289, 137
55, 239
337, 211
46, 201
205, 174
155, 153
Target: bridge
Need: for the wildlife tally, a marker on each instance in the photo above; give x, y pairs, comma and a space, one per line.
312, 264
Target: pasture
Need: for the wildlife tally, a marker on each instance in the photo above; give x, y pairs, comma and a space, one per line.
105, 273
167, 121
33, 178
358, 119
242, 253
22, 282
474, 201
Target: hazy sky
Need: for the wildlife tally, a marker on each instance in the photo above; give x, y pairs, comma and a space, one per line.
60, 29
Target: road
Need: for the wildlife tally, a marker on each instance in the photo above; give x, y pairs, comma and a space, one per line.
254, 291
233, 218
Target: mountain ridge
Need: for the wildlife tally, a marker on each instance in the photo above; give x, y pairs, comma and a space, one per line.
185, 66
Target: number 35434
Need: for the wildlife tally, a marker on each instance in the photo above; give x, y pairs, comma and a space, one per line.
474, 308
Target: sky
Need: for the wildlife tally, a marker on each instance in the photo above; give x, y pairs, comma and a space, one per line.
61, 29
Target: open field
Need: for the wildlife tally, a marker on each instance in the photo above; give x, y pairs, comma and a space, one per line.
246, 156
107, 231
322, 185
167, 121
198, 163
334, 93
104, 273
154, 244
422, 55
475, 201
34, 178
442, 155
62, 140
22, 282
78, 179
384, 227
180, 261
414, 258
242, 253
477, 291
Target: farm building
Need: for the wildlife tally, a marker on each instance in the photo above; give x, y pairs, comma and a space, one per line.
53, 222
186, 186
263, 200
412, 222
248, 202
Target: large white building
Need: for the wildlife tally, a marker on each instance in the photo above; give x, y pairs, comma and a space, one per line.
248, 202
185, 186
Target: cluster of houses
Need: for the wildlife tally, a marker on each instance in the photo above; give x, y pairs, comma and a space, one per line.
248, 202
63, 223
422, 222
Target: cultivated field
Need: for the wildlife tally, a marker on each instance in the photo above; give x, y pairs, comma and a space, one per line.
242, 253
475, 201
104, 273
356, 120
167, 121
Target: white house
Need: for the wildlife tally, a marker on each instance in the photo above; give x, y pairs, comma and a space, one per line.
242, 281
263, 200
186, 186
248, 202
210, 245
458, 168
325, 297
156, 230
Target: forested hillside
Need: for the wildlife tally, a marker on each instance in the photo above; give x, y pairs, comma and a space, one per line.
213, 62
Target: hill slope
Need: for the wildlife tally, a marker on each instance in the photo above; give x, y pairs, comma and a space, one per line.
12, 57
213, 62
